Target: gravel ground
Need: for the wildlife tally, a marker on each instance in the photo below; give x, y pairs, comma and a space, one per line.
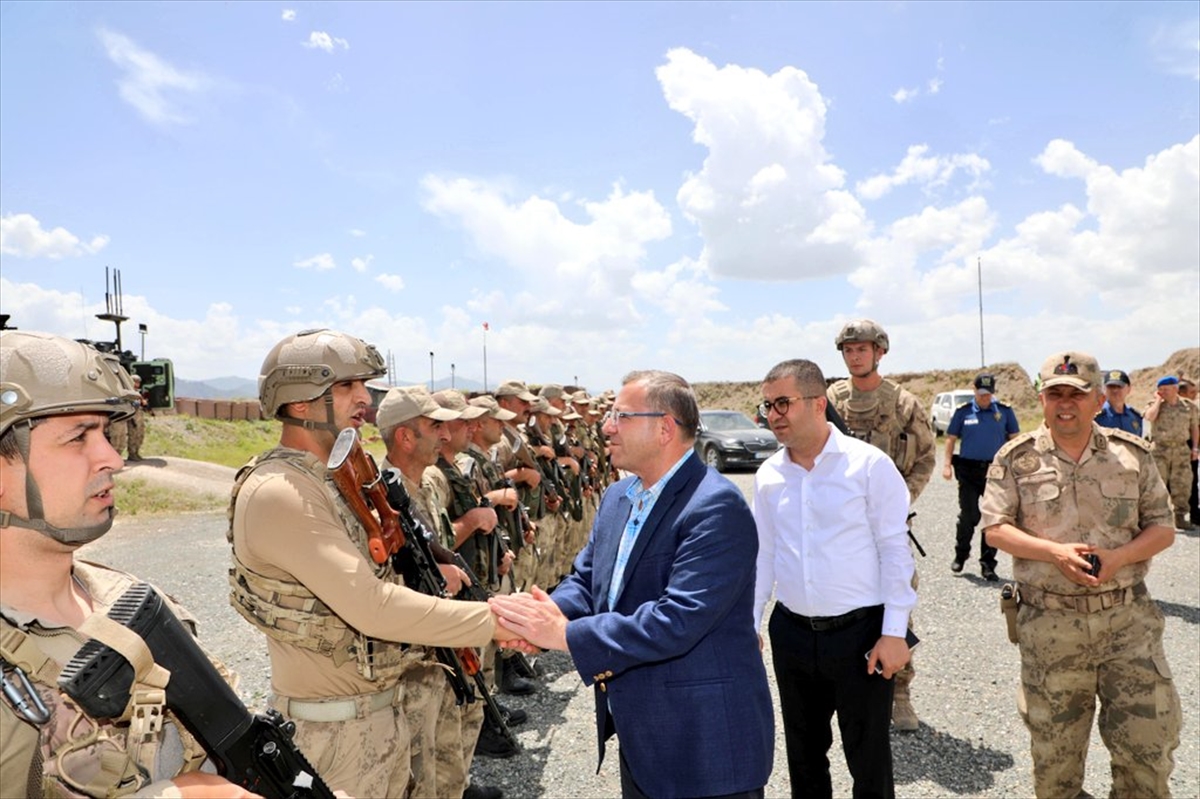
971, 741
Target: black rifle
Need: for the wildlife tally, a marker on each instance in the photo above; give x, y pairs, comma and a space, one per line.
476, 592
255, 751
416, 563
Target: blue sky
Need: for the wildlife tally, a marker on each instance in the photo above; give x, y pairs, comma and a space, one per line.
707, 188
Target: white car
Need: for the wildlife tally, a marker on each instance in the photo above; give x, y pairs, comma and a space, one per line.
944, 406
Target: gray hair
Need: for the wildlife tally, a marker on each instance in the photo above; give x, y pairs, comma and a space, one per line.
671, 394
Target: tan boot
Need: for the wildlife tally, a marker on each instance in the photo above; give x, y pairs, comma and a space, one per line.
904, 715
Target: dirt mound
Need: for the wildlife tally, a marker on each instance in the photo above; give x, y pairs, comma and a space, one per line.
1013, 384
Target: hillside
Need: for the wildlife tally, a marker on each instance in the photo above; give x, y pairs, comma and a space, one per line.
1013, 384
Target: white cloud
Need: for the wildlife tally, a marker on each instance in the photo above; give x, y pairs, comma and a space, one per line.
320, 262
356, 233
935, 85
149, 84
390, 282
928, 172
361, 264
768, 201
582, 270
288, 15
320, 40
1176, 48
22, 235
903, 95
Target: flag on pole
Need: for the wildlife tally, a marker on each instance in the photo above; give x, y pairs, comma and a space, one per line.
485, 325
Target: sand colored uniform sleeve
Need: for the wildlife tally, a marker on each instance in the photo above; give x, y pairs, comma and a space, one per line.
286, 527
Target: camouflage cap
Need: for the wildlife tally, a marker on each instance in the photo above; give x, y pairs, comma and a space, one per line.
1070, 368
455, 401
514, 388
401, 404
493, 409
542, 405
552, 391
571, 416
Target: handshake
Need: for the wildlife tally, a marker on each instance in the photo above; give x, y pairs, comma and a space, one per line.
529, 622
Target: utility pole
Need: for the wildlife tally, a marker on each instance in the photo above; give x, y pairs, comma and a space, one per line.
143, 330
431, 372
485, 382
451, 375
979, 274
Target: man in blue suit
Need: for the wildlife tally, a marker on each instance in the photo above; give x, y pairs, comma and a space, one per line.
658, 614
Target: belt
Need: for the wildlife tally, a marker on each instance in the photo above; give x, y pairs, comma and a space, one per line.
355, 707
822, 624
1081, 603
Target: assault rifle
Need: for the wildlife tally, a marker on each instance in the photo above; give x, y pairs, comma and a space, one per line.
255, 751
393, 534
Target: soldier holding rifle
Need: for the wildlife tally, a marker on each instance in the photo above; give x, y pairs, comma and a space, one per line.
56, 493
336, 620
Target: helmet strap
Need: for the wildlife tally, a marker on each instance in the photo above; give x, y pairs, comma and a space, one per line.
329, 425
33, 504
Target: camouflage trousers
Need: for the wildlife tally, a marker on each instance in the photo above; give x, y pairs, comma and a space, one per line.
424, 687
1175, 468
137, 434
457, 733
906, 675
118, 436
1070, 658
365, 756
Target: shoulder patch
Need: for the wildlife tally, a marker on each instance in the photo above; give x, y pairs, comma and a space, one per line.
995, 472
1128, 438
1013, 443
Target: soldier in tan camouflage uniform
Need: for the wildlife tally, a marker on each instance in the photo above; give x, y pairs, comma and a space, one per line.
882, 413
1175, 421
56, 470
415, 427
1056, 496
336, 622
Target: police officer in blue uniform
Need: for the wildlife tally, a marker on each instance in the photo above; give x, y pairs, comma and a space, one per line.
1115, 412
983, 425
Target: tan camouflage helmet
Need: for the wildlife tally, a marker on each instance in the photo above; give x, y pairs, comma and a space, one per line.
45, 375
863, 330
305, 365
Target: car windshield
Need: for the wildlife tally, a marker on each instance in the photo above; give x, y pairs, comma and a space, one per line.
727, 421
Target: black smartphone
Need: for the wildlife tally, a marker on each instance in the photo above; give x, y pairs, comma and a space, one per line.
1093, 559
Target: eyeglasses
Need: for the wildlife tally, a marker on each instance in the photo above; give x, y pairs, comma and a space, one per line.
781, 405
616, 417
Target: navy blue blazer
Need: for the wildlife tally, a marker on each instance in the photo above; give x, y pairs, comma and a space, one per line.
677, 659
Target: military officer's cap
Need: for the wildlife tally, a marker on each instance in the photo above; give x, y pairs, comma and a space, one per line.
985, 382
1070, 368
1115, 377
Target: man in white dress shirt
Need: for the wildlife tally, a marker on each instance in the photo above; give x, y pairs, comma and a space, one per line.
833, 546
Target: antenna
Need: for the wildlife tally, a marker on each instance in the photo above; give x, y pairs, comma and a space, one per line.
113, 305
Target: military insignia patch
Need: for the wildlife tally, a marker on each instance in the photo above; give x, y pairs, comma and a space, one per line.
1025, 463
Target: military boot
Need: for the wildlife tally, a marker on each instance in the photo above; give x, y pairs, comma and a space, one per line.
904, 715
511, 682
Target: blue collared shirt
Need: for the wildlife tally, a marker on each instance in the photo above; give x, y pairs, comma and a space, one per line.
1128, 420
642, 499
982, 432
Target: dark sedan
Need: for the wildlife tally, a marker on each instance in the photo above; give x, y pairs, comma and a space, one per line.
730, 438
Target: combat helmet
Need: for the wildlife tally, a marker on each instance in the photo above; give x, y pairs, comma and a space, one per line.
45, 375
863, 330
304, 366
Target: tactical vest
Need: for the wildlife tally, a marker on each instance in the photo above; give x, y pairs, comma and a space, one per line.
76, 755
874, 417
287, 611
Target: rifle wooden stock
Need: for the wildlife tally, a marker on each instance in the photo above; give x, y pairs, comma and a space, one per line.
358, 479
